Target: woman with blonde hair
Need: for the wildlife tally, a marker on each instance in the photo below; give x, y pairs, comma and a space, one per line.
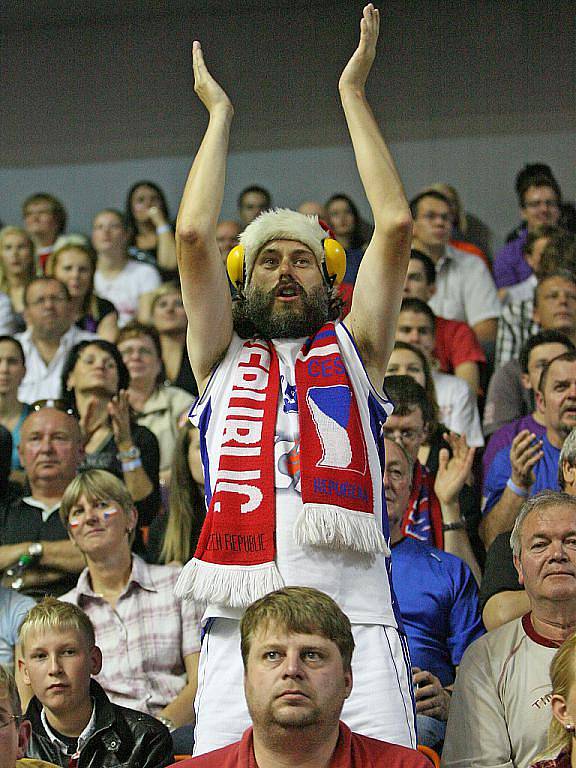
73, 262
17, 268
561, 748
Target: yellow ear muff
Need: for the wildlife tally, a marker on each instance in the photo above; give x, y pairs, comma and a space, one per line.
235, 266
334, 260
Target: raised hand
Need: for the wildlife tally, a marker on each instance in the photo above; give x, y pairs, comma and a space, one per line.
453, 472
91, 420
356, 72
210, 93
525, 452
119, 412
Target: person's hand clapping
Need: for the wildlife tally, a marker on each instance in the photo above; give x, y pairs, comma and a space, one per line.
356, 72
453, 471
525, 452
119, 411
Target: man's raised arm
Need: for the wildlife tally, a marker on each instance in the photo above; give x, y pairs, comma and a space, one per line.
378, 289
204, 284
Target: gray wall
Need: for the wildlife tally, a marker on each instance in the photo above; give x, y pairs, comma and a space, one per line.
467, 92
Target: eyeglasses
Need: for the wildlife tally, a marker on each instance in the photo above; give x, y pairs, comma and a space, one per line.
58, 405
6, 719
538, 203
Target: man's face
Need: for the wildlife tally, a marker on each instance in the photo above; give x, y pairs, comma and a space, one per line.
13, 735
40, 221
227, 236
108, 233
416, 284
47, 309
50, 447
409, 431
286, 296
12, 368
417, 329
555, 307
558, 402
547, 563
538, 360
540, 207
432, 225
57, 665
294, 681
251, 205
397, 486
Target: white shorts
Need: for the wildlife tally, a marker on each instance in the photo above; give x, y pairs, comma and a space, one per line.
381, 704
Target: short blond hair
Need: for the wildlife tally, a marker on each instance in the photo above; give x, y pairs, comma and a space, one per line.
8, 690
96, 485
302, 610
53, 614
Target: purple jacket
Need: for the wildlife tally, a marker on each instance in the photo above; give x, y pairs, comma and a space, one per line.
510, 266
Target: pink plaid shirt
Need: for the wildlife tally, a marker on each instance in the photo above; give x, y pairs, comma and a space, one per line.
145, 639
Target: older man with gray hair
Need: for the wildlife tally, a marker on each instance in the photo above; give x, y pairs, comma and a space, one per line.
500, 709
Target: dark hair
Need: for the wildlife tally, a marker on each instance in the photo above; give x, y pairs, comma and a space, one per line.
128, 213
535, 175
429, 266
543, 337
558, 254
68, 395
412, 304
132, 330
12, 340
356, 239
565, 357
44, 279
407, 394
260, 190
415, 202
58, 210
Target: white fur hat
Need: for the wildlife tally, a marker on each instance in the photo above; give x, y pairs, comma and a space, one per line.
281, 224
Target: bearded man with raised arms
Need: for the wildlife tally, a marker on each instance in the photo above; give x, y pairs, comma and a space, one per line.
290, 414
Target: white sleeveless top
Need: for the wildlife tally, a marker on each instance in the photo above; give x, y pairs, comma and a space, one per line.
359, 583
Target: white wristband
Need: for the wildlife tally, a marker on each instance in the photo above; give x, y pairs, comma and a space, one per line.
522, 492
163, 228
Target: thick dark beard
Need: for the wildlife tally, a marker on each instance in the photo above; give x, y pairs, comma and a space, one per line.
254, 314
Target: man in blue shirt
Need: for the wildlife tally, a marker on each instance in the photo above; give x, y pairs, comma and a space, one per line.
531, 464
436, 592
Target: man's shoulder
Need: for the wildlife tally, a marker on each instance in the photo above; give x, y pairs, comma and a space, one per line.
443, 563
496, 646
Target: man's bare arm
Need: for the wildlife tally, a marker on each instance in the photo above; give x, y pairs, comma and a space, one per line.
486, 330
204, 284
470, 372
378, 288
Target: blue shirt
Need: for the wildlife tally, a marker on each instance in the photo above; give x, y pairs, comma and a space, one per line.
545, 471
13, 608
438, 600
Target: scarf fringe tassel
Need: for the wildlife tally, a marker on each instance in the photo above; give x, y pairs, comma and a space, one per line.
338, 528
236, 586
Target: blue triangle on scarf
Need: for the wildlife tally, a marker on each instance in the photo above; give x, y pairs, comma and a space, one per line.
334, 402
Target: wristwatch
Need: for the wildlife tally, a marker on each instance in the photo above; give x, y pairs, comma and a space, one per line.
36, 550
129, 455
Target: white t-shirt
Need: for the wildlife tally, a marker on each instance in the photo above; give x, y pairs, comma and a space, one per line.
458, 407
125, 289
500, 709
359, 583
465, 289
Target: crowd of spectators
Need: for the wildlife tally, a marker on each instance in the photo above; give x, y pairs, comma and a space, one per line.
95, 390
